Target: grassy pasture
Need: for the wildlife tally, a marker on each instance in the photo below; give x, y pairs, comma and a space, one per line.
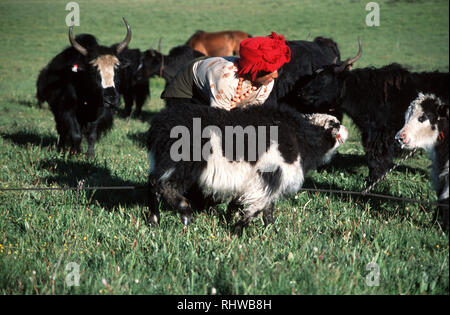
324, 242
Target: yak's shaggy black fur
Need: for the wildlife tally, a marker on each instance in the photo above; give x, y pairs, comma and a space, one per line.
306, 57
77, 100
167, 66
133, 81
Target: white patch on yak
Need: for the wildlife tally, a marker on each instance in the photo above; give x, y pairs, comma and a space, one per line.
223, 178
167, 174
444, 174
420, 134
327, 122
343, 135
105, 65
152, 164
151, 161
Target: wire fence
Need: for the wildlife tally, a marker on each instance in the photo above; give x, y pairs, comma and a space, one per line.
81, 187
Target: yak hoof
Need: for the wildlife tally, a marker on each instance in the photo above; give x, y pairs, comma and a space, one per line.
74, 150
238, 229
185, 220
90, 154
154, 219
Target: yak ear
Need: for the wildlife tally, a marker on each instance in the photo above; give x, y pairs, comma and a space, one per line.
124, 63
317, 70
443, 110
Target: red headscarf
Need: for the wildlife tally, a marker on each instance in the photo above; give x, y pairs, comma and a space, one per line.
263, 54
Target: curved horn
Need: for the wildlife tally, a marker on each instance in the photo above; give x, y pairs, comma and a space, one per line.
159, 45
151, 51
350, 61
75, 44
127, 39
309, 36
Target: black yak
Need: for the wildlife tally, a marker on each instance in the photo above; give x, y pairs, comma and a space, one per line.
252, 155
306, 57
426, 126
167, 66
133, 82
79, 84
376, 100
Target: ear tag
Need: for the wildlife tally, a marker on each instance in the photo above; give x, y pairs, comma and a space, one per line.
75, 68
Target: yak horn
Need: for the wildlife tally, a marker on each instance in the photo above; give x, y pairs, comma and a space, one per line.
127, 39
75, 44
350, 61
309, 36
159, 45
152, 51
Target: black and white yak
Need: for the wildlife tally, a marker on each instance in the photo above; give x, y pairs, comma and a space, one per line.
79, 84
426, 127
252, 155
376, 100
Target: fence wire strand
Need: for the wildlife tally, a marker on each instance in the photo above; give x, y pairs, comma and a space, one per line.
81, 187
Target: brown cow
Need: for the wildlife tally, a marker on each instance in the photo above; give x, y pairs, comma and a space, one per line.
217, 44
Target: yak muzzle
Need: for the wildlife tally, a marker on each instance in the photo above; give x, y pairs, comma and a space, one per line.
402, 138
111, 97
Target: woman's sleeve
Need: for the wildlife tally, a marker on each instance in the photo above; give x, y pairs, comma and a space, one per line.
222, 86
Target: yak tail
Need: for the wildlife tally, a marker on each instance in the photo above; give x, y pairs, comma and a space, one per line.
39, 86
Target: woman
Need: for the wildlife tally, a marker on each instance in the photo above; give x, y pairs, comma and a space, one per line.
230, 82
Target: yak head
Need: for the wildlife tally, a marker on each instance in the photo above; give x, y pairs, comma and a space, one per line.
153, 61
327, 132
426, 123
324, 86
98, 66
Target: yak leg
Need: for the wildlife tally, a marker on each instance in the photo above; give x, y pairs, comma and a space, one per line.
91, 135
96, 128
233, 206
379, 155
62, 135
443, 215
378, 166
142, 91
176, 200
268, 216
251, 212
69, 127
128, 98
154, 198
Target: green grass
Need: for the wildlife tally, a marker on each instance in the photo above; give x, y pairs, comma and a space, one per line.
324, 243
